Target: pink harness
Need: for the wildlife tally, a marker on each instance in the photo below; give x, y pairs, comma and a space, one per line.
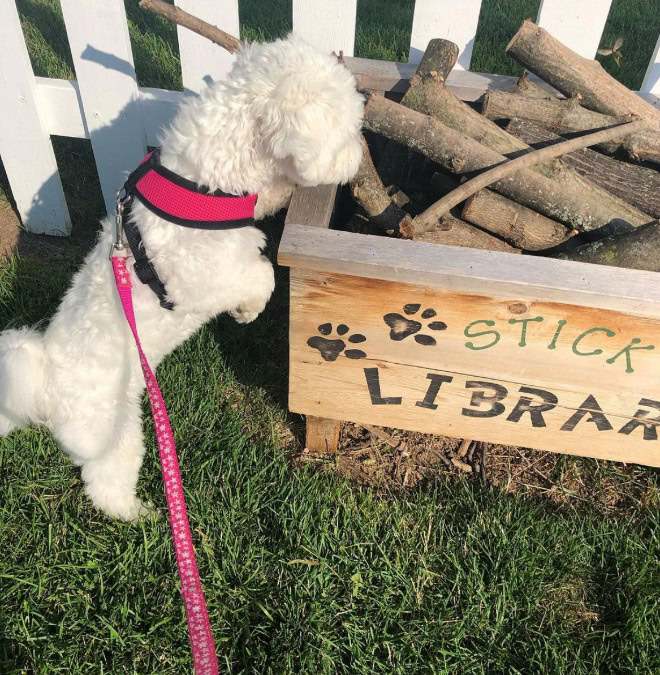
180, 201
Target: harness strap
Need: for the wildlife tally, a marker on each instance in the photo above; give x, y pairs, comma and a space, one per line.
199, 626
179, 201
144, 270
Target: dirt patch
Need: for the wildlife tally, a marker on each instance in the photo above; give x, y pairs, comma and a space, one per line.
9, 230
392, 459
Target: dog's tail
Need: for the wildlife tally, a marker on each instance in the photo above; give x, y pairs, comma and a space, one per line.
23, 378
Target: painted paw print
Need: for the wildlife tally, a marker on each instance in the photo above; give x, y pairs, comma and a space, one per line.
401, 328
330, 349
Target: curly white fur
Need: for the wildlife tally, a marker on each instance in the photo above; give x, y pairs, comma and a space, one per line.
287, 114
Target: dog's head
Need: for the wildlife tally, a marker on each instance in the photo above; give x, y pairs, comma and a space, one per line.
308, 109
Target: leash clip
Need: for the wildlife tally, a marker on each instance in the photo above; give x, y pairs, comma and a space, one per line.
120, 201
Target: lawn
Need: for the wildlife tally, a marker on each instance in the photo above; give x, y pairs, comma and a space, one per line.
304, 570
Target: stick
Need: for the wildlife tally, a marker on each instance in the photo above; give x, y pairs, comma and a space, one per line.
181, 18
501, 171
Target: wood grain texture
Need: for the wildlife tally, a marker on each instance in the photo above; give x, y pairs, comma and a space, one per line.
490, 367
25, 147
321, 434
465, 270
312, 206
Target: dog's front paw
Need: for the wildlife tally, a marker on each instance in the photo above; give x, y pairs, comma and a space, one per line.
242, 315
128, 508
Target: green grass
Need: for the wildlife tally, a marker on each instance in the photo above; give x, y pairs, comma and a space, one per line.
452, 577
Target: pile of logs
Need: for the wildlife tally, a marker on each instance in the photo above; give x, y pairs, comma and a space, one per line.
595, 205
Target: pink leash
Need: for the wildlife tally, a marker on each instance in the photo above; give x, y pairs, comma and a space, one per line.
199, 627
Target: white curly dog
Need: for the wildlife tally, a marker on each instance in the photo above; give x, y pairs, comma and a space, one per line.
286, 115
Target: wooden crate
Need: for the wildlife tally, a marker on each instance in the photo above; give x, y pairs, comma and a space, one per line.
526, 351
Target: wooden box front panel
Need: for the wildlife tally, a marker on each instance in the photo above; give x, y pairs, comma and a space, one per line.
536, 374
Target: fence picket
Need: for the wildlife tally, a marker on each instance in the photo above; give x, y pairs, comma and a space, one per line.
454, 20
201, 61
579, 25
25, 147
651, 82
102, 57
328, 25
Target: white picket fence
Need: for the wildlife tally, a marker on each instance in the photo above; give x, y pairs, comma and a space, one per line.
106, 106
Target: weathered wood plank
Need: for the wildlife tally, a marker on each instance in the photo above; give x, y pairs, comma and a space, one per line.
202, 61
542, 374
448, 20
465, 270
312, 206
25, 147
329, 26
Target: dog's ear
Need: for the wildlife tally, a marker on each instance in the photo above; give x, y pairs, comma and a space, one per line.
302, 129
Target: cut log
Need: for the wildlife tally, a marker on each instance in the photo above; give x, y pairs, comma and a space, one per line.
432, 98
439, 59
636, 185
525, 87
567, 116
569, 203
573, 75
369, 191
519, 225
637, 250
455, 232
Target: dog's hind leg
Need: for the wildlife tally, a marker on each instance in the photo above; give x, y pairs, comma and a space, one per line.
110, 475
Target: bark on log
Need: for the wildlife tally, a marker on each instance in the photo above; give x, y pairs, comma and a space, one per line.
567, 116
461, 154
431, 97
455, 232
525, 161
519, 225
525, 87
636, 185
369, 191
438, 60
637, 250
574, 75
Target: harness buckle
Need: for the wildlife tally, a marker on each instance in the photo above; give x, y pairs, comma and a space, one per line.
118, 243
